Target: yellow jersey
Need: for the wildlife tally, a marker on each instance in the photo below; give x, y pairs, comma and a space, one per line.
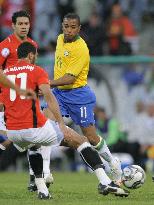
72, 58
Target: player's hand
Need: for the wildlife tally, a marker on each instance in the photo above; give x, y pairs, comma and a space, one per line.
28, 93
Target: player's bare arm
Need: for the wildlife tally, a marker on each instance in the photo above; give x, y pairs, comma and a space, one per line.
67, 79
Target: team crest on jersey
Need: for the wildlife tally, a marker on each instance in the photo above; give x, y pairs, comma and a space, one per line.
66, 53
5, 52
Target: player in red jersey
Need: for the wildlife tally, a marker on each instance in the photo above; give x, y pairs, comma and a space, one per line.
27, 126
27, 93
8, 47
23, 114
8, 57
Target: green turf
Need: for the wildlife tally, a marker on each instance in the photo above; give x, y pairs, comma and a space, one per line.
69, 189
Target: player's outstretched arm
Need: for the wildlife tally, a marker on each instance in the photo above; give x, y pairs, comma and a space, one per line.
7, 83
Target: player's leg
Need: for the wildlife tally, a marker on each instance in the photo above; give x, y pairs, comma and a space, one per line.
79, 105
81, 111
46, 136
101, 146
84, 117
92, 159
45, 152
36, 163
27, 138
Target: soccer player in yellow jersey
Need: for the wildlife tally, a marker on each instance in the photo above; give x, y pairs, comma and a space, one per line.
74, 96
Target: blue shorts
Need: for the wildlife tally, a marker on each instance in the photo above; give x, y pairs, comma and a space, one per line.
77, 103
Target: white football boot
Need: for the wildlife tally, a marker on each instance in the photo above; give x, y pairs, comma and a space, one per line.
43, 192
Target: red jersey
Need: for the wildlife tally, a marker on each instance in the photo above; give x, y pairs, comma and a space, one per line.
21, 113
8, 50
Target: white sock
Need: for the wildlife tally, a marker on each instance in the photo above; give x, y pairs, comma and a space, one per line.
103, 150
41, 186
46, 151
106, 165
102, 177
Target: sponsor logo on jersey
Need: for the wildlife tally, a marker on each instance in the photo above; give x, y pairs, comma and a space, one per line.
28, 67
5, 52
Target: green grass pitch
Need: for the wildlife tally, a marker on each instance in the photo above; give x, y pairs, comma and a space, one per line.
69, 189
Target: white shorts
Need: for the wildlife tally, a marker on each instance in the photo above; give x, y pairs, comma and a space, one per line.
49, 134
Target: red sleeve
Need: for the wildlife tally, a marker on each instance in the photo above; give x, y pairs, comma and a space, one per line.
42, 76
4, 51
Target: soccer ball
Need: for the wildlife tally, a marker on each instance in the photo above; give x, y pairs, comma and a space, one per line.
133, 176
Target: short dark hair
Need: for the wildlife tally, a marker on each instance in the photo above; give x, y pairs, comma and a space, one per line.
21, 13
24, 49
72, 16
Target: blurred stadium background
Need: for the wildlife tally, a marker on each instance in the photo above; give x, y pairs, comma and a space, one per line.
120, 38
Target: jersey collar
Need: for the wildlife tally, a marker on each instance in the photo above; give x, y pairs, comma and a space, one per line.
75, 39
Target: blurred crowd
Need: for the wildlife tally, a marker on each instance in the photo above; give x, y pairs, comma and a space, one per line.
116, 24
110, 27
